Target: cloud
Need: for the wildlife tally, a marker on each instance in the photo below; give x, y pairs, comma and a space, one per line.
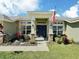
72, 12
15, 7
58, 15
52, 10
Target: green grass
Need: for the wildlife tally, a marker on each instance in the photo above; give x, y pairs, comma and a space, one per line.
56, 52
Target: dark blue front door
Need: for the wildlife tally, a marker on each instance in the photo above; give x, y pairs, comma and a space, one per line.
41, 30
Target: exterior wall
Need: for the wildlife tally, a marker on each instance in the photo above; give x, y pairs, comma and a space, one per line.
10, 27
1, 22
17, 26
72, 30
39, 15
13, 27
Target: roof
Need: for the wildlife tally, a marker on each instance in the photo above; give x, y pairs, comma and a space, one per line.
17, 18
39, 12
23, 18
72, 20
13, 18
5, 18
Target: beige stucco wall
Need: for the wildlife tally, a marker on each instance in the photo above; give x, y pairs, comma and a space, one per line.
39, 15
72, 30
1, 22
10, 27
17, 25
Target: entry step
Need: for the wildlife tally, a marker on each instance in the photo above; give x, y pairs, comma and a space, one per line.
39, 38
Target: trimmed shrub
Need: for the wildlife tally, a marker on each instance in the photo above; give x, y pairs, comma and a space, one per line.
72, 41
65, 39
59, 40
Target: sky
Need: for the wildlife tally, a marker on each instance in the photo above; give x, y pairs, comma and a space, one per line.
65, 8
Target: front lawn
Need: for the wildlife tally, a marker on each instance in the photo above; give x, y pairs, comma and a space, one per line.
57, 51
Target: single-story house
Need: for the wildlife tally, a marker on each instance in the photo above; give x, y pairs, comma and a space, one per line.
38, 24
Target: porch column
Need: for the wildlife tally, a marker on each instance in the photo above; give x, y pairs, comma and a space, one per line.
33, 30
64, 29
50, 32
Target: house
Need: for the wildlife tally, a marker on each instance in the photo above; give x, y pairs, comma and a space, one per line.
38, 24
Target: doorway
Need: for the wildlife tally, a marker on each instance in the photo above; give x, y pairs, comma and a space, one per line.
41, 31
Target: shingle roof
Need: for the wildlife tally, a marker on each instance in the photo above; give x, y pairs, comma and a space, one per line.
15, 18
5, 18
73, 20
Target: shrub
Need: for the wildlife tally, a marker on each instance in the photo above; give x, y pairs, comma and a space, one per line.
27, 38
33, 42
65, 39
72, 41
59, 40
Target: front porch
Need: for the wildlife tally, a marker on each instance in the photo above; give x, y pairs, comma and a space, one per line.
41, 29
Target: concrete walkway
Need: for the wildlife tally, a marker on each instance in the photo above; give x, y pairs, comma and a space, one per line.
41, 46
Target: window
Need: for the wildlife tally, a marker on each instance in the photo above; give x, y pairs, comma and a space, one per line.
54, 28
60, 32
23, 29
58, 29
28, 22
54, 32
23, 22
26, 29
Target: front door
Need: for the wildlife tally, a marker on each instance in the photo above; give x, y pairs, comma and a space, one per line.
41, 31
